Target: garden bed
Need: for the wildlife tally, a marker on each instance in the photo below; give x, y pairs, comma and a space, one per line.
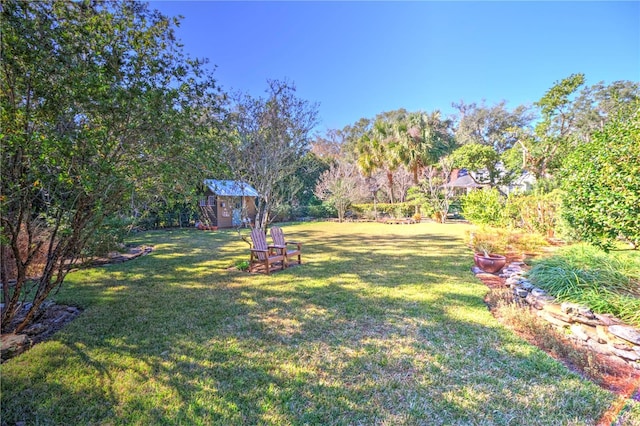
573, 335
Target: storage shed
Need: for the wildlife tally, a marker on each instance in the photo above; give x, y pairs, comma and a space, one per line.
228, 203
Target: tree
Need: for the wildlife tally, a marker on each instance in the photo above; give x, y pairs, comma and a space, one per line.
98, 102
379, 148
570, 116
270, 137
424, 139
596, 105
481, 157
431, 190
601, 180
341, 186
550, 142
491, 126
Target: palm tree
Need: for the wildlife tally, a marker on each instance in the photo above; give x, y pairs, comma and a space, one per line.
379, 148
424, 138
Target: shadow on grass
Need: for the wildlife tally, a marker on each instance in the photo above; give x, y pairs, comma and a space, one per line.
373, 328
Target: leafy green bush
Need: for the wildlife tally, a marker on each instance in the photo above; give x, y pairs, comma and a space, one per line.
483, 207
534, 212
322, 211
385, 209
504, 241
606, 283
108, 238
601, 180
242, 265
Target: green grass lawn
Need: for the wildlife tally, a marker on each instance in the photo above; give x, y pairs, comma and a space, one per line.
382, 324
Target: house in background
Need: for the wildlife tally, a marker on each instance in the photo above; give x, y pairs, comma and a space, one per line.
471, 179
461, 181
227, 204
521, 184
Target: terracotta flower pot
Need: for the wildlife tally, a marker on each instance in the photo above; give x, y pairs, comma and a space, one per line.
490, 263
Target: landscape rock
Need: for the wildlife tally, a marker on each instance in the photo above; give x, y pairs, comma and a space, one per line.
35, 329
607, 319
535, 301
526, 285
547, 316
13, 344
600, 348
579, 332
631, 355
510, 282
537, 292
627, 333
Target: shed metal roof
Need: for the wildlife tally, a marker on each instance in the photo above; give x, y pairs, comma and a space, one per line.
231, 188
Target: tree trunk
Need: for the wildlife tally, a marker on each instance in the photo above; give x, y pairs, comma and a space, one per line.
390, 183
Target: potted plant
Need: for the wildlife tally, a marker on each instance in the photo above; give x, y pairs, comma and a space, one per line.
485, 259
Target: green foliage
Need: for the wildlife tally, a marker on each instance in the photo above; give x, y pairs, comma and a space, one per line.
416, 195
483, 207
556, 98
242, 265
318, 211
583, 274
101, 112
551, 140
535, 212
492, 126
395, 210
601, 180
308, 173
475, 156
109, 237
503, 241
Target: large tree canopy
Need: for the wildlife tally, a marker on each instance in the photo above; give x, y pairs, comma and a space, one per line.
98, 102
494, 126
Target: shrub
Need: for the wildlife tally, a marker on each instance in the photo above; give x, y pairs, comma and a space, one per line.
108, 238
242, 265
534, 212
602, 184
503, 240
385, 209
483, 207
322, 211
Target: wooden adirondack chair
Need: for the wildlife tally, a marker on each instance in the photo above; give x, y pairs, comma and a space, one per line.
279, 241
264, 256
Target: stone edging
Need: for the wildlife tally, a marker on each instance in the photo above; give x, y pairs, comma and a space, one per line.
604, 334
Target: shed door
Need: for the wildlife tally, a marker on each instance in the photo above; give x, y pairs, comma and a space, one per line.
236, 219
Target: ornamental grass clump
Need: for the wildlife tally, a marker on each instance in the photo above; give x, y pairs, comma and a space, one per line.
606, 283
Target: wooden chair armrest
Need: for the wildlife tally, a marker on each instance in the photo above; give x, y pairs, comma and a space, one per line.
259, 250
278, 249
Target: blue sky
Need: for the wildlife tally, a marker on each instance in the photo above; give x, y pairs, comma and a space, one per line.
357, 59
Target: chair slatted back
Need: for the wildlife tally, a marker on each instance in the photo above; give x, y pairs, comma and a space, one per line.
259, 242
277, 236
